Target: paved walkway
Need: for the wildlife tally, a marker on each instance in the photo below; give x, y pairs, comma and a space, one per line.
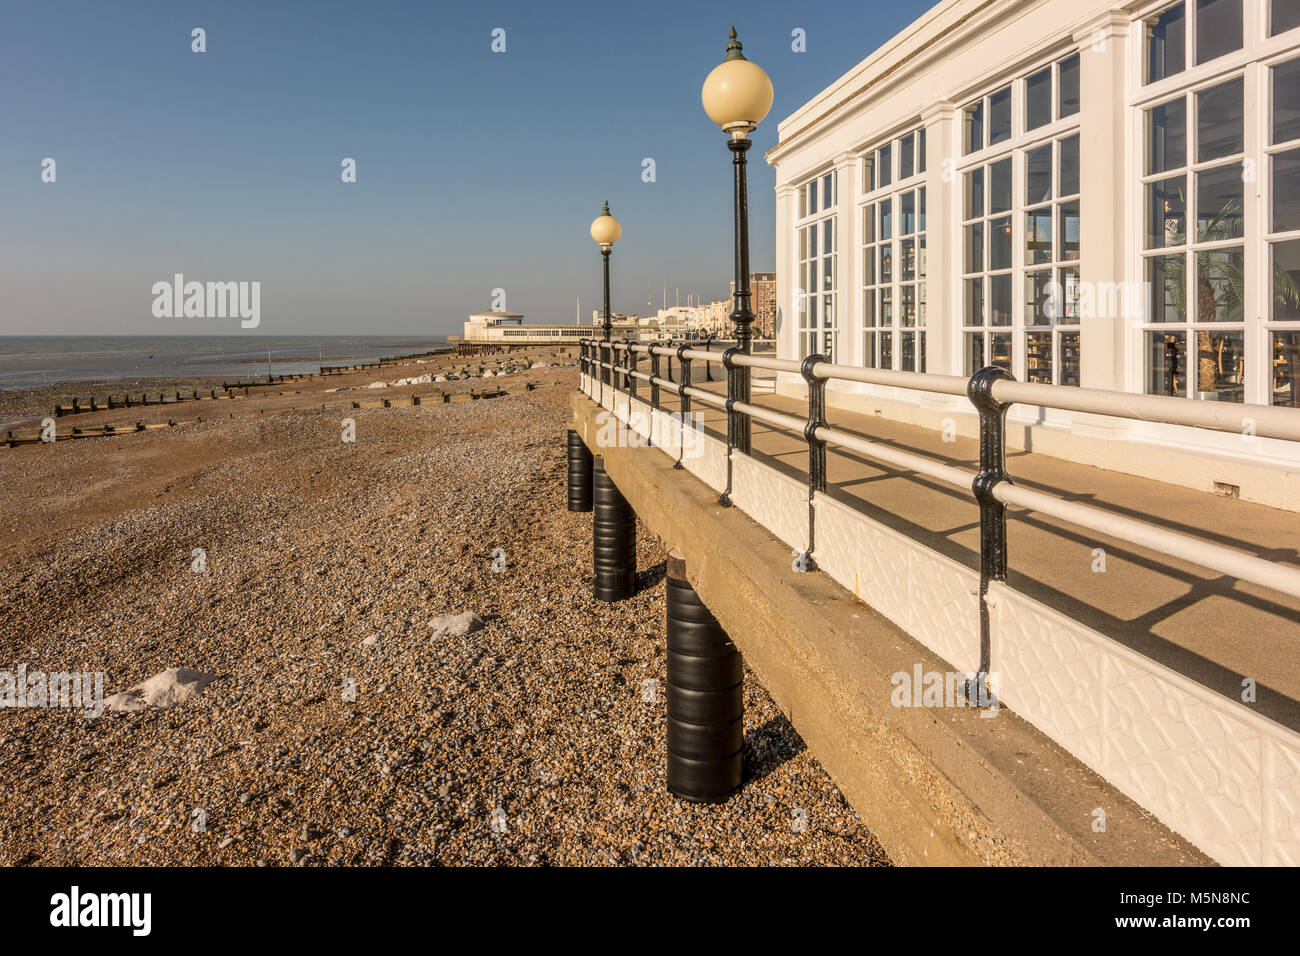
1212, 628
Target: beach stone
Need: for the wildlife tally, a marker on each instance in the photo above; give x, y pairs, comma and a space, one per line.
377, 385
455, 625
164, 690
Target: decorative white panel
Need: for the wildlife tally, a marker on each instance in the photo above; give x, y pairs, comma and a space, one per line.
931, 597
1224, 777
776, 501
706, 459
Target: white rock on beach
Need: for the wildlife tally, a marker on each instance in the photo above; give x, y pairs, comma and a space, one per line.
455, 625
377, 385
176, 685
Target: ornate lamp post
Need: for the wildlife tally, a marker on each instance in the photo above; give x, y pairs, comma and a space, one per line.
605, 230
737, 96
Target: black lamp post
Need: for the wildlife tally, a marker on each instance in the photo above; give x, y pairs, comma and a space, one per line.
737, 96
605, 231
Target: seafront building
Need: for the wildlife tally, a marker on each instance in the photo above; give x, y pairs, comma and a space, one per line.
496, 327
1085, 193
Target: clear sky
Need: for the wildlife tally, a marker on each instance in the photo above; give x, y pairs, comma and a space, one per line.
475, 170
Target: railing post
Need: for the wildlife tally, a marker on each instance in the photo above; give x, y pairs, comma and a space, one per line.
733, 417
654, 374
633, 359
816, 448
708, 366
683, 383
993, 513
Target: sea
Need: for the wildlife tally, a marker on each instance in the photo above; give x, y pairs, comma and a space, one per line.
30, 361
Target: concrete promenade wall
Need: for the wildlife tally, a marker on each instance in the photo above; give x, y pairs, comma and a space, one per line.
936, 785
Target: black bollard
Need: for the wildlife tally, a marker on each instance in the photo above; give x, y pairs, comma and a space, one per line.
613, 539
580, 465
706, 706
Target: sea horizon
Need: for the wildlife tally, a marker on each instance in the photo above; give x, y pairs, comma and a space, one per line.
39, 361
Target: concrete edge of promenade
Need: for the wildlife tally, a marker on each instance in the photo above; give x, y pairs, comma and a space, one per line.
937, 786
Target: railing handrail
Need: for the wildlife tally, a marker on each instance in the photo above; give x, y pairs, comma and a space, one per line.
1261, 421
996, 485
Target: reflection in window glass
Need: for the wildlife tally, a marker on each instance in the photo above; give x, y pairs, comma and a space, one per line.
1286, 281
1038, 236
1166, 213
1000, 116
974, 247
1284, 15
1220, 281
1067, 84
907, 156
1286, 191
1069, 184
1218, 28
973, 194
1167, 136
886, 170
1219, 112
1038, 357
1286, 101
1286, 369
974, 299
1167, 363
1219, 194
1038, 175
1167, 279
1000, 243
1038, 98
1220, 365
907, 213
1068, 242
1000, 186
1000, 301
1166, 43
974, 352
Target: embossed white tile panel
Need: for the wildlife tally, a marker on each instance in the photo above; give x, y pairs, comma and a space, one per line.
1222, 776
776, 501
931, 597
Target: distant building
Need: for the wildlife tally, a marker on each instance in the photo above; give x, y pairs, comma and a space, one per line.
762, 287
508, 328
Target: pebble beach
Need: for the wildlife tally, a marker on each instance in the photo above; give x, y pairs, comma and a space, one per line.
346, 722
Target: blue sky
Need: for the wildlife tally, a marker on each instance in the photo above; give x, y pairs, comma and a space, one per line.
475, 170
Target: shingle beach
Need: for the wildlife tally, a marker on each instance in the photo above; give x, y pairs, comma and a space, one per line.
347, 724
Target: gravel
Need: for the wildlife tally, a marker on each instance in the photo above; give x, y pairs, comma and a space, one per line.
355, 718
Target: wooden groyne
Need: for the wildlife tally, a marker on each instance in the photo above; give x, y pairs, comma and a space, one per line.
79, 407
11, 440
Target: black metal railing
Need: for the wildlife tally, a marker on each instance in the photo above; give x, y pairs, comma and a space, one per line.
991, 391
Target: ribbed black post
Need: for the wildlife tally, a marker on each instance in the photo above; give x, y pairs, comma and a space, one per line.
993, 513
705, 697
580, 477
613, 539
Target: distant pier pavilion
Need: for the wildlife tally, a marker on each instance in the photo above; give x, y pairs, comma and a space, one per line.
507, 329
